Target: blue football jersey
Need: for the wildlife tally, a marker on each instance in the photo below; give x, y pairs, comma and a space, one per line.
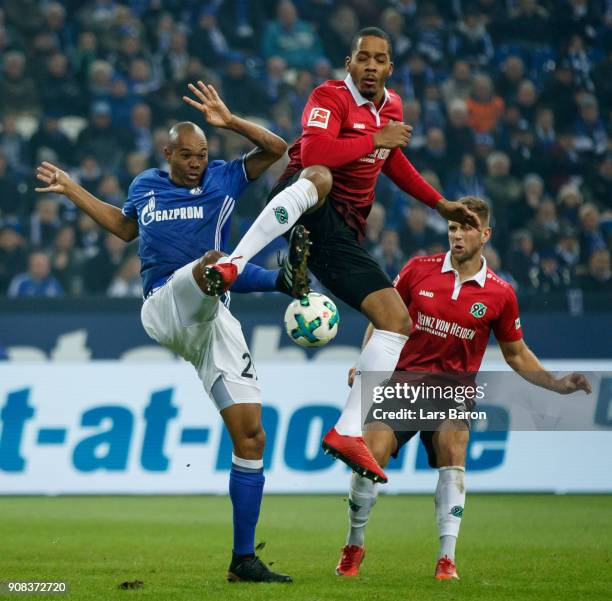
178, 225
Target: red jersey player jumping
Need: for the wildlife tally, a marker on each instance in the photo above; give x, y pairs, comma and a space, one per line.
352, 130
458, 289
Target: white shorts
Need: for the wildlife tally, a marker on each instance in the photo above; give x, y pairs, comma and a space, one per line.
199, 328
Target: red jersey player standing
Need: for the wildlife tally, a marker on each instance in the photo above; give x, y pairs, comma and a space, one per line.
455, 302
352, 130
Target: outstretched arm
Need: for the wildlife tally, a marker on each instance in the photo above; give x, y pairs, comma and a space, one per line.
524, 362
270, 147
108, 216
401, 171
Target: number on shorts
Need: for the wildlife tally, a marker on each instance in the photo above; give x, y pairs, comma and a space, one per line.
246, 372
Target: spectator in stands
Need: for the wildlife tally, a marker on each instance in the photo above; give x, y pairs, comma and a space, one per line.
65, 260
526, 100
13, 254
175, 59
100, 139
470, 41
591, 135
338, 33
568, 248
599, 276
60, 92
459, 85
291, 38
545, 227
562, 162
484, 107
432, 35
416, 236
412, 116
389, 254
600, 183
99, 270
45, 222
569, 201
432, 107
465, 181
511, 74
141, 122
49, 136
110, 191
433, 155
592, 236
135, 163
88, 236
10, 198
376, 224
545, 129
526, 209
100, 80
275, 86
529, 24
13, 146
18, 93
549, 276
522, 257
241, 91
392, 21
37, 281
523, 153
207, 41
127, 282
558, 93
504, 191
459, 135
89, 173
85, 55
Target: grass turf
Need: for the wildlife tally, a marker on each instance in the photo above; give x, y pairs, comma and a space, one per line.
511, 547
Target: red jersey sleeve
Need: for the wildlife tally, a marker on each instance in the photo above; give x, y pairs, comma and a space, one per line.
402, 282
402, 172
507, 328
321, 121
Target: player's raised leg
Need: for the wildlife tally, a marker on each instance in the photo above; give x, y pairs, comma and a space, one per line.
361, 500
391, 326
450, 444
278, 217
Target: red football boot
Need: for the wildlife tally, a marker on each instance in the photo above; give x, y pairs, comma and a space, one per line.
219, 277
355, 453
350, 560
446, 569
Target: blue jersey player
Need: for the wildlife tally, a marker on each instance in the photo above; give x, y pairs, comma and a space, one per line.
182, 219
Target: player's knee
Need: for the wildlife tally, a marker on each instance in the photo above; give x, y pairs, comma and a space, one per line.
400, 323
322, 178
251, 444
451, 454
379, 446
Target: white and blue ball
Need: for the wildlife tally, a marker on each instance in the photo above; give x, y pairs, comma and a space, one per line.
312, 321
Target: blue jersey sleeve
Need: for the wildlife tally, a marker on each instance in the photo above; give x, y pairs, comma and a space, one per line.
236, 180
129, 207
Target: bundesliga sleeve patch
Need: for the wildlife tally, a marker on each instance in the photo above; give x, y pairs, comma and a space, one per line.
319, 118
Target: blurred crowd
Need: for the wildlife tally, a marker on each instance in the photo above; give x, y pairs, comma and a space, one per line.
510, 100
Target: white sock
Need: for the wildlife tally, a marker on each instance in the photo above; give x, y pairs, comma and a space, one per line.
278, 217
450, 501
362, 497
380, 354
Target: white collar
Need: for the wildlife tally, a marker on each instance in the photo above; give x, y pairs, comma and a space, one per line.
480, 276
356, 94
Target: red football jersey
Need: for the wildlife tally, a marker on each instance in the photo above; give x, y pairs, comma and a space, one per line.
338, 127
453, 320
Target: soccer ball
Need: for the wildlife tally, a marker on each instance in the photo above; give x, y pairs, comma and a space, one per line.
312, 320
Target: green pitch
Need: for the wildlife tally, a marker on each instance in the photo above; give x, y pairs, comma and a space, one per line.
511, 547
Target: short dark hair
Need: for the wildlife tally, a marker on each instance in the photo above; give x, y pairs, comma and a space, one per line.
479, 206
374, 32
